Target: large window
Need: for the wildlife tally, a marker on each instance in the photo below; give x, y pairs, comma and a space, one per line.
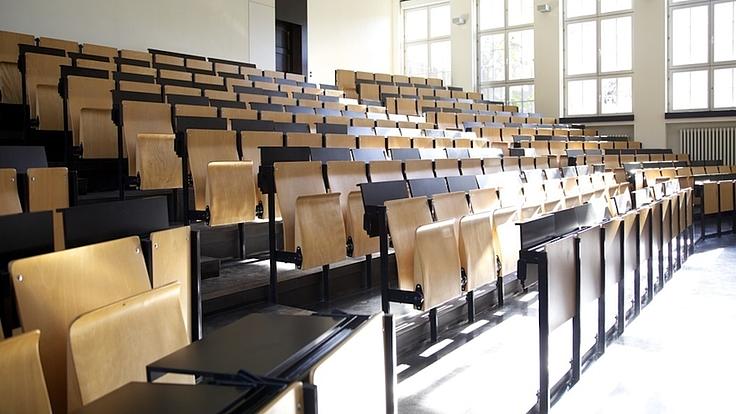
506, 51
427, 41
702, 55
598, 58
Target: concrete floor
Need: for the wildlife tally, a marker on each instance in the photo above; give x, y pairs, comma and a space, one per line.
676, 357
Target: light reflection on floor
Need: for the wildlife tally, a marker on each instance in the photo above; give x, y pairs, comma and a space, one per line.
676, 357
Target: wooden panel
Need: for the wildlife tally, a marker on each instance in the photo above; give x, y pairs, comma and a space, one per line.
22, 385
339, 141
99, 50
343, 178
96, 64
140, 87
143, 118
437, 263
484, 200
135, 55
205, 146
414, 169
92, 93
10, 83
388, 170
221, 95
136, 331
725, 190
199, 64
230, 196
362, 243
299, 139
98, 135
48, 188
285, 117
157, 164
710, 198
171, 262
506, 239
319, 229
196, 110
9, 199
175, 75
238, 113
295, 179
288, 401
68, 45
341, 377
370, 141
67, 284
477, 256
404, 218
561, 281
181, 90
446, 168
590, 264
168, 60
49, 108
450, 206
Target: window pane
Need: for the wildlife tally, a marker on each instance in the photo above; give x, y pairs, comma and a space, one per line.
415, 24
616, 95
690, 35
439, 21
582, 97
581, 48
521, 54
580, 7
724, 88
724, 28
690, 90
521, 12
616, 44
490, 14
523, 97
494, 94
416, 60
492, 58
614, 5
440, 61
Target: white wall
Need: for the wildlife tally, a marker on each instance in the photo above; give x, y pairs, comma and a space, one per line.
262, 33
349, 34
217, 28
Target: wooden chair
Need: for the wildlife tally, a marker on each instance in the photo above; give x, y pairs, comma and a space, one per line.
67, 284
89, 108
312, 218
343, 178
67, 45
10, 77
136, 331
9, 199
143, 118
414, 169
223, 185
484, 200
22, 386
387, 170
42, 73
426, 252
446, 168
299, 139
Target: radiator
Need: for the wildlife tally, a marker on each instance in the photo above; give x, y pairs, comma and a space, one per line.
704, 144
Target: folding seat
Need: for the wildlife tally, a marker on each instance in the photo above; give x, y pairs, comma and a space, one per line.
620, 145
296, 139
138, 330
541, 162
371, 141
363, 122
572, 191
385, 123
492, 165
42, 73
398, 142
23, 389
9, 198
343, 178
626, 158
426, 252
525, 163
312, 218
446, 120
280, 100
340, 141
471, 166
446, 167
484, 200
50, 284
267, 115
223, 185
590, 146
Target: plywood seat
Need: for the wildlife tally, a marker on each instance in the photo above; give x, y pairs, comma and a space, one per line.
143, 118
343, 178
414, 169
313, 219
42, 73
385, 170
67, 284
223, 184
9, 199
426, 252
10, 77
506, 239
136, 331
484, 200
22, 387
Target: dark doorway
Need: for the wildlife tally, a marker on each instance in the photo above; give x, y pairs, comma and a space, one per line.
288, 47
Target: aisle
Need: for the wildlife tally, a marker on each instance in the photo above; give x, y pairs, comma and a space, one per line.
679, 355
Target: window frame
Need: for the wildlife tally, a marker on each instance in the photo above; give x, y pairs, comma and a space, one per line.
598, 75
428, 41
507, 83
710, 66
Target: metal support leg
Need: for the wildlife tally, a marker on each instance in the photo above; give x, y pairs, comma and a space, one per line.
500, 291
576, 328
325, 283
273, 276
383, 247
389, 348
470, 300
544, 394
368, 271
433, 325
621, 316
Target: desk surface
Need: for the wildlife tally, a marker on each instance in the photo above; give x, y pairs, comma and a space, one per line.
145, 398
261, 344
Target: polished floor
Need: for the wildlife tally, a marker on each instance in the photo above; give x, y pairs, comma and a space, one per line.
678, 356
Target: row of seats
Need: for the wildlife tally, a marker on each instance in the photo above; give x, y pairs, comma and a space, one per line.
346, 80
408, 105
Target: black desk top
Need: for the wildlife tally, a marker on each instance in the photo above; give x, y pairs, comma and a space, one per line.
144, 398
261, 344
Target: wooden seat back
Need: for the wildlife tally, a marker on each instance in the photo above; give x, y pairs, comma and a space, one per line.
44, 71
437, 267
204, 147
385, 170
343, 178
293, 180
9, 199
506, 239
143, 118
404, 217
136, 331
414, 169
10, 78
67, 284
92, 93
22, 385
446, 168
450, 206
